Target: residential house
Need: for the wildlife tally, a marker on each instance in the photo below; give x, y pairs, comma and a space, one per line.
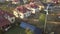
10, 17
4, 23
51, 1
14, 1
5, 20
34, 7
21, 12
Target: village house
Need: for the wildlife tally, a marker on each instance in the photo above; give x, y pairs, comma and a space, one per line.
14, 1
34, 7
51, 1
5, 20
22, 12
10, 17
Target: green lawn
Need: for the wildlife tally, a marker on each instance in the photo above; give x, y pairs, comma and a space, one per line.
15, 30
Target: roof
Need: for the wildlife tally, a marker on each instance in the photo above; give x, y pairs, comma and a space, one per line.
9, 14
22, 9
1, 13
3, 21
5, 12
33, 5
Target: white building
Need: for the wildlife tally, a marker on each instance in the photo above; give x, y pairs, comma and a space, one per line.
14, 1
34, 7
21, 12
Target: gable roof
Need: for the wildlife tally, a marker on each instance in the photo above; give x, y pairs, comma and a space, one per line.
22, 9
4, 21
2, 12
33, 5
9, 14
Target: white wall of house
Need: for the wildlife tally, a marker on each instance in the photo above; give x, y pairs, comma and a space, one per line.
16, 2
9, 0
21, 15
41, 7
13, 2
27, 14
24, 15
25, 1
15, 13
34, 10
11, 19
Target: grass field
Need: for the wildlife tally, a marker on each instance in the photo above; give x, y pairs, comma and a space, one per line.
15, 30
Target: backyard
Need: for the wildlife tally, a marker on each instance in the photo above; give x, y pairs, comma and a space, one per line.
15, 30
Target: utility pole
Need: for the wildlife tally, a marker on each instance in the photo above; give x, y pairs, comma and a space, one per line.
46, 17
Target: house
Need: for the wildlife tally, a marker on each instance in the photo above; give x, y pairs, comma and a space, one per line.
4, 23
5, 20
8, 16
34, 7
14, 1
21, 12
51, 1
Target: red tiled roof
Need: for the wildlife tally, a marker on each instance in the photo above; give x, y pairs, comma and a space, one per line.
5, 12
22, 9
9, 14
33, 5
3, 21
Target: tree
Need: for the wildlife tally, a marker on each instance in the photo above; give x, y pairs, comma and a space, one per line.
42, 18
